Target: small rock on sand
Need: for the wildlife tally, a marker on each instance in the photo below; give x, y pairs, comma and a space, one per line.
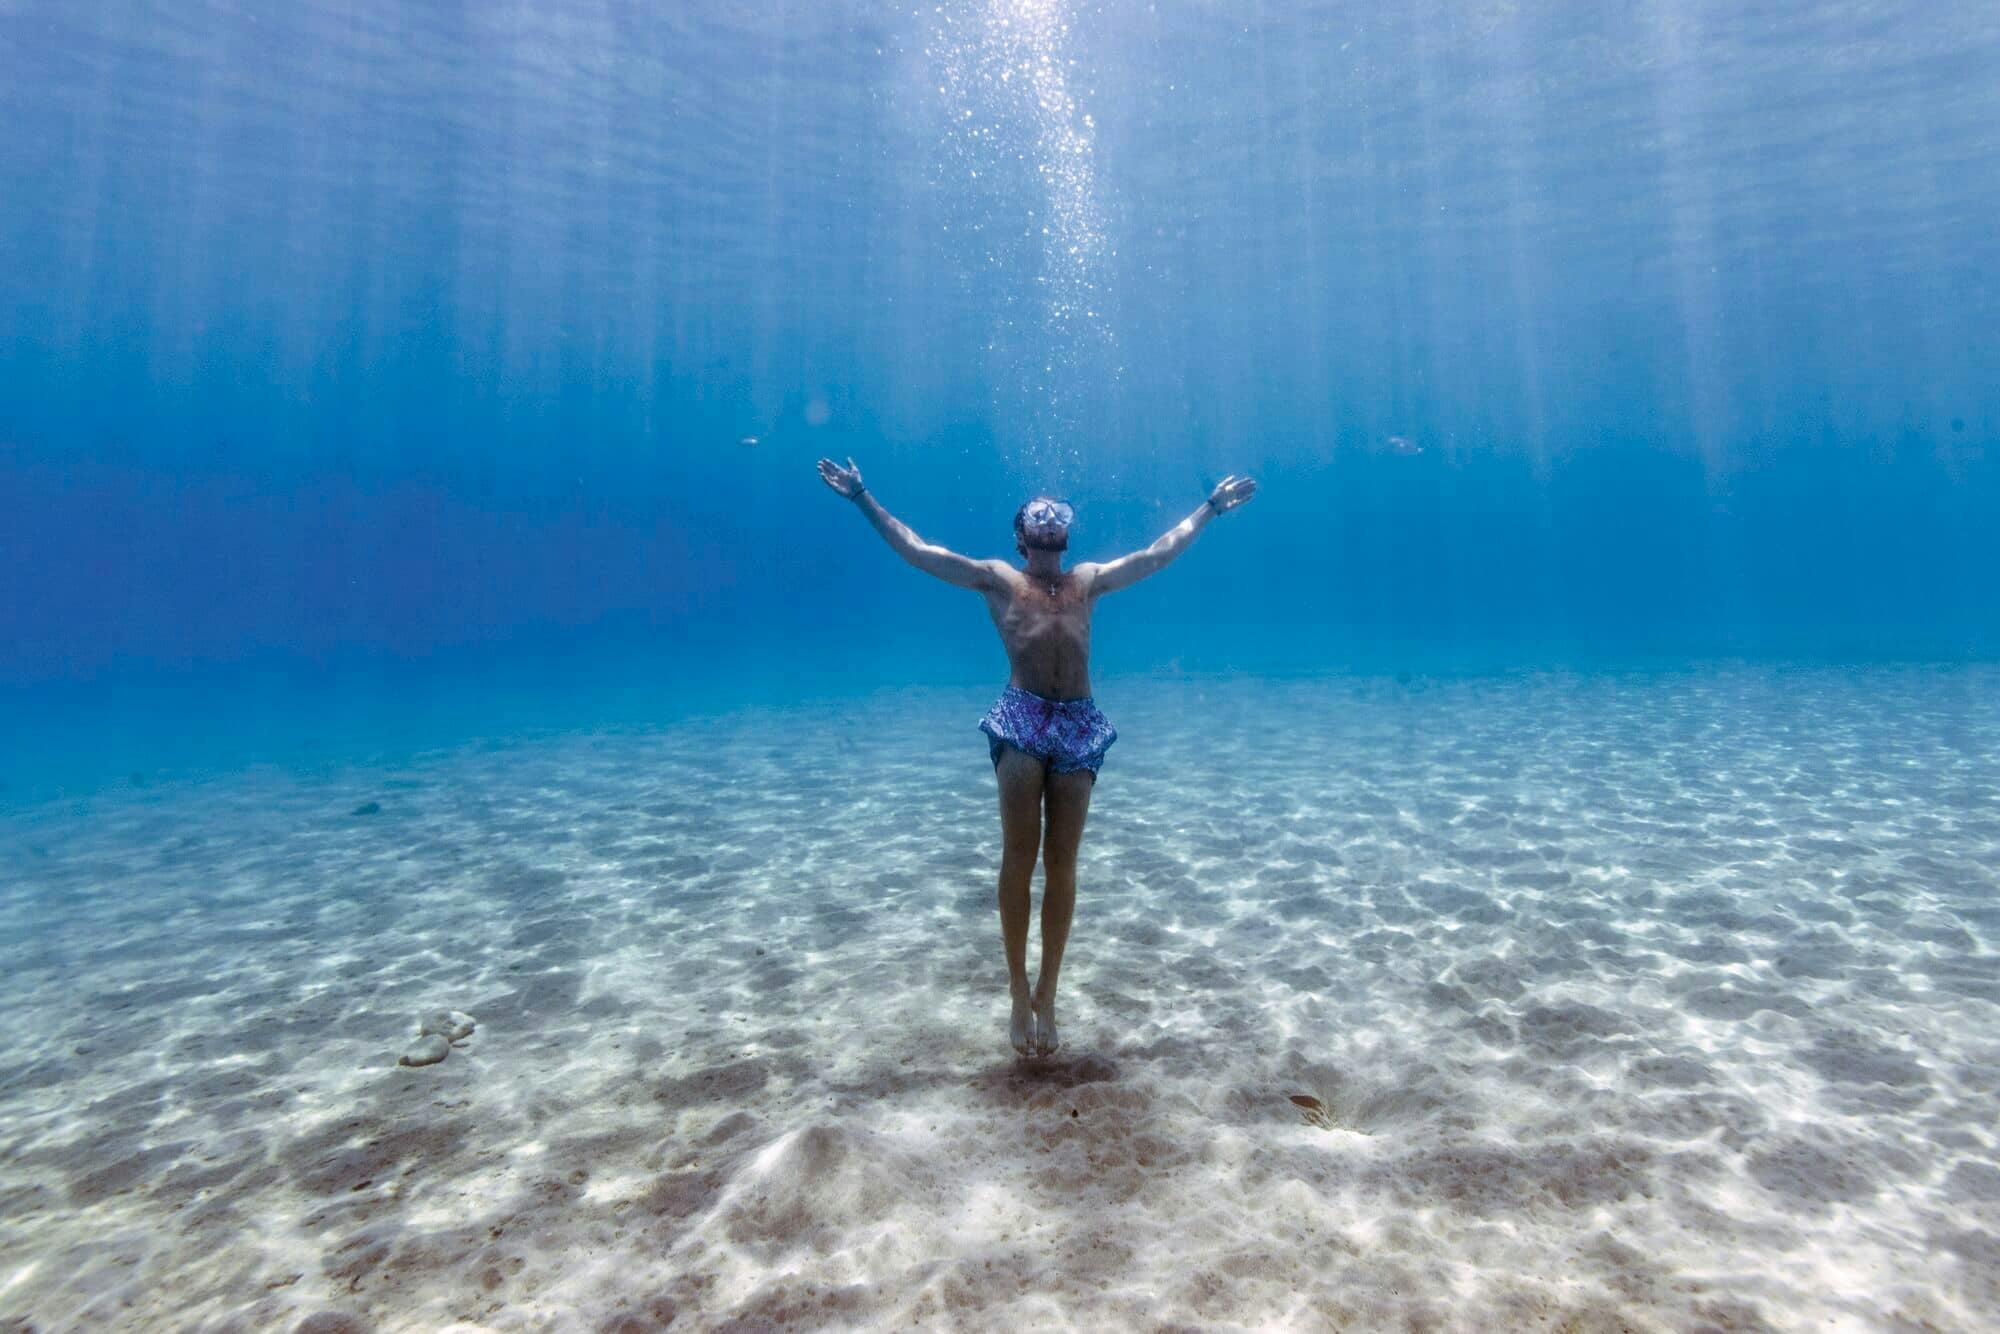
331, 1322
426, 1050
452, 1025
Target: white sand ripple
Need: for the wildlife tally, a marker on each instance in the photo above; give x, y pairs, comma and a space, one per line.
1635, 1001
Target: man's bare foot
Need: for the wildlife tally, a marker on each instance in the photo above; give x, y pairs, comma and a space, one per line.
1021, 1030
1047, 1041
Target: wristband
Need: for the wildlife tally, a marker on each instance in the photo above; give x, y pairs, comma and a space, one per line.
859, 492
1210, 502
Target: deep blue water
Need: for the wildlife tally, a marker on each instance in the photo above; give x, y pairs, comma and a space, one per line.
382, 369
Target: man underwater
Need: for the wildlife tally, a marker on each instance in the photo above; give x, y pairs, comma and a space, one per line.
1046, 736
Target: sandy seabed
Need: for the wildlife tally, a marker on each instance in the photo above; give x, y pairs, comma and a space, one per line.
1634, 1002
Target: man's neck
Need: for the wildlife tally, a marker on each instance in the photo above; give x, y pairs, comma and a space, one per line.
1044, 565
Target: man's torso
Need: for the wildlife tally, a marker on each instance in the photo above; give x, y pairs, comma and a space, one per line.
1046, 632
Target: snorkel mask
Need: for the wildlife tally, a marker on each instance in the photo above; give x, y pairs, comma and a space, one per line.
1045, 522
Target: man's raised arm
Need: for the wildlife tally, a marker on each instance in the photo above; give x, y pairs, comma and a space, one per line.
927, 556
1111, 576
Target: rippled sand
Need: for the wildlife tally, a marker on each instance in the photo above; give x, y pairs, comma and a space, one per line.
1635, 1002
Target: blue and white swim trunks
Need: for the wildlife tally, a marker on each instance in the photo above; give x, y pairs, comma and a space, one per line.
1064, 734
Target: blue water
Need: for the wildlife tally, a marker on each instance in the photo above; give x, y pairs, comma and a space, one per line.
388, 387
351, 340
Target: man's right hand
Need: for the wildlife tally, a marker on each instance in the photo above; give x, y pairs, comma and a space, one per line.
846, 481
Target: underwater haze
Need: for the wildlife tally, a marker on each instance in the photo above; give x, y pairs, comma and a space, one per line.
1548, 875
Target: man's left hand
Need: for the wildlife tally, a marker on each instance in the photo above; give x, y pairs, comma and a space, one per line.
1230, 492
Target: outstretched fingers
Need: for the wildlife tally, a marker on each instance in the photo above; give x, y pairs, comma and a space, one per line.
839, 478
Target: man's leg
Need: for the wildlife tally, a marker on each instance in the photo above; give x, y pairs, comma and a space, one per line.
1020, 776
1068, 799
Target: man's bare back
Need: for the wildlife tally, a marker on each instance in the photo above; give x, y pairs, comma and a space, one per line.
1046, 735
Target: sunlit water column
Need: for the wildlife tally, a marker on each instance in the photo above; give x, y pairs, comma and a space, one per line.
1021, 149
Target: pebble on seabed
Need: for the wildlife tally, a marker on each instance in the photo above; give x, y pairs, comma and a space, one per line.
452, 1025
426, 1050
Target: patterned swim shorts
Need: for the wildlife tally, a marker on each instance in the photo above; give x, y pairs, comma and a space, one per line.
1064, 734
